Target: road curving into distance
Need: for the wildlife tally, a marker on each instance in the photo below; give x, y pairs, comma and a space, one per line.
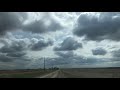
55, 74
84, 73
58, 74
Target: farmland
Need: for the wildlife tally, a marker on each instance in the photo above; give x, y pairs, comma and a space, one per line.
23, 73
62, 73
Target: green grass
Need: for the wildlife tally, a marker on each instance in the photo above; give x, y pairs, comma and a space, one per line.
31, 74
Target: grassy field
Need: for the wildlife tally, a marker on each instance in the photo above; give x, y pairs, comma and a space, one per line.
68, 73
92, 72
23, 73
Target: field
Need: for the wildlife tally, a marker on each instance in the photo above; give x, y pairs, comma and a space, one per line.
92, 73
63, 73
23, 73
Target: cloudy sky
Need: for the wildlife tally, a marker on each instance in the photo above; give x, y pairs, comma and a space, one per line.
65, 39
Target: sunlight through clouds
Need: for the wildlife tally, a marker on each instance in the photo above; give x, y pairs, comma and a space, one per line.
89, 38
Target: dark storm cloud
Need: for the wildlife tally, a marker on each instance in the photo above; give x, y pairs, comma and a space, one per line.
99, 51
11, 21
14, 51
58, 61
90, 60
116, 53
104, 26
4, 58
16, 54
11, 58
41, 44
65, 54
68, 44
70, 58
64, 57
14, 21
36, 27
7, 62
39, 26
15, 46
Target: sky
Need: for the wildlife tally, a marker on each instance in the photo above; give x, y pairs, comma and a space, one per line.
64, 39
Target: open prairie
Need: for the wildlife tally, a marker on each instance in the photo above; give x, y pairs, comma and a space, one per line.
63, 73
85, 73
92, 73
23, 73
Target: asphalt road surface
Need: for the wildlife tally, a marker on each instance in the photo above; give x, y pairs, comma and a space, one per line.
83, 73
67, 74
56, 74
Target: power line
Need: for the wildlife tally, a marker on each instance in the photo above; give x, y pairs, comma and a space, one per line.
44, 63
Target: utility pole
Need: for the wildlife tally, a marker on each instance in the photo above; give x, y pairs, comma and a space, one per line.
44, 63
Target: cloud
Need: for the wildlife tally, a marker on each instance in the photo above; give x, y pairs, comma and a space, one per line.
66, 54
11, 21
70, 59
5, 58
11, 57
99, 51
13, 54
32, 36
68, 44
64, 57
36, 27
81, 61
41, 44
116, 53
46, 24
7, 62
98, 26
58, 61
14, 46
15, 21
16, 54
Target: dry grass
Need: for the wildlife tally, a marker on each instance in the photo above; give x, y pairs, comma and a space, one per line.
23, 73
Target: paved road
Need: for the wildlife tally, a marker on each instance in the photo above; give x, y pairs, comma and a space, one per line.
82, 74
56, 74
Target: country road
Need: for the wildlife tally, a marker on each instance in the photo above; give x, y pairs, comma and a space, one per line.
60, 74
83, 73
56, 74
